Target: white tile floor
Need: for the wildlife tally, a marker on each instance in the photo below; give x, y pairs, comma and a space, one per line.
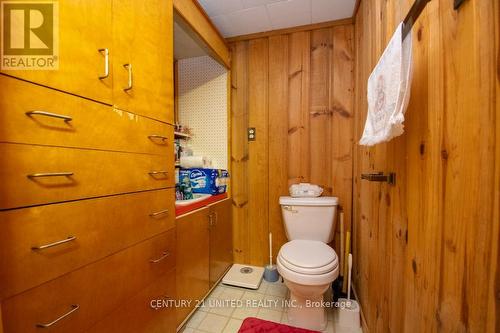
218, 316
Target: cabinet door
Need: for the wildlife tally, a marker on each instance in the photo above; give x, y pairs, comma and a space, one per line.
84, 28
192, 260
221, 239
143, 59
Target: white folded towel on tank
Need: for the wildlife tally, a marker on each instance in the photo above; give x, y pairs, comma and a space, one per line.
305, 190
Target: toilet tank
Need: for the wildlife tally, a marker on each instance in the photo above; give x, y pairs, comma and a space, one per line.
309, 218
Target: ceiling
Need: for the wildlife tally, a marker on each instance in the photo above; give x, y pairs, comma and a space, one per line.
241, 17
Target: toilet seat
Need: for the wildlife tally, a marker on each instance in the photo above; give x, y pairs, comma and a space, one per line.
308, 262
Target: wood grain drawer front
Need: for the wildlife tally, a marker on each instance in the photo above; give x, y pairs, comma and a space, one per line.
37, 115
85, 27
93, 291
43, 242
148, 312
33, 175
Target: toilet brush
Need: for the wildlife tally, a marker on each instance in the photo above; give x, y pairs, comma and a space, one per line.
271, 273
348, 309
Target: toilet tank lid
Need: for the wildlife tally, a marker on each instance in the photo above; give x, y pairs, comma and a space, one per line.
317, 201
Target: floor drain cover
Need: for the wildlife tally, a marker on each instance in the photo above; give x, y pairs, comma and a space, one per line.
246, 270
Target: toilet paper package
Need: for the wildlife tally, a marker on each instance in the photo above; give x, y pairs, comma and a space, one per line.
208, 181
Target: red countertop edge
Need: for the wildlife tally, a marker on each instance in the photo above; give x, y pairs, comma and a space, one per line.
189, 208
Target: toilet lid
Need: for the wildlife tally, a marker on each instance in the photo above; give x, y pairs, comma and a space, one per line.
308, 257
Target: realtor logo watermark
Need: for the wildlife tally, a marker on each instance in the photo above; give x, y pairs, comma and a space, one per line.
30, 35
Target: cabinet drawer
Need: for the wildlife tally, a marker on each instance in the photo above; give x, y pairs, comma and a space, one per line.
93, 291
92, 228
140, 315
26, 174
86, 124
85, 27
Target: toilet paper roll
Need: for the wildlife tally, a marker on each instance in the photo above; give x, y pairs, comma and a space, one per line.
194, 162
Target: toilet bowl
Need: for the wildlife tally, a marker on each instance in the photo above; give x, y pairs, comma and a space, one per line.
306, 263
308, 267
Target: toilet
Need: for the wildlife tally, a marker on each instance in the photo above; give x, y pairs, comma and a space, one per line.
306, 263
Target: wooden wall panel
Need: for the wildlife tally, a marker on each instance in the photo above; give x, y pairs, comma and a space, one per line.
304, 132
239, 150
425, 248
258, 161
494, 281
278, 134
319, 112
298, 105
341, 107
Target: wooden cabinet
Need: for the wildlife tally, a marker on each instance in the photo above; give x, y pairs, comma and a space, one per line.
204, 247
31, 116
90, 293
33, 175
93, 229
85, 26
143, 57
221, 239
87, 171
193, 259
118, 52
148, 312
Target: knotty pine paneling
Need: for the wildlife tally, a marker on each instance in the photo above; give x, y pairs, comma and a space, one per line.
258, 150
426, 250
297, 90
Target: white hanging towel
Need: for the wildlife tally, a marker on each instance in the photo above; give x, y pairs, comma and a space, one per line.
389, 88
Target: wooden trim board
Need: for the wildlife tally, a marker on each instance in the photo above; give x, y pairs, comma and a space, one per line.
286, 31
194, 18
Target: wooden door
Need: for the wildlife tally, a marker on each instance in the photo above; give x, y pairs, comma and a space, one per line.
193, 259
143, 59
221, 239
84, 29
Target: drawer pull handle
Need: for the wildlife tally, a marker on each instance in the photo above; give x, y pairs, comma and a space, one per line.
74, 307
50, 174
130, 78
157, 136
164, 255
46, 246
161, 212
49, 114
153, 173
106, 63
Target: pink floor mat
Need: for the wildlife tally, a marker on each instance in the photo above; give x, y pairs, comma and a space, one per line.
255, 325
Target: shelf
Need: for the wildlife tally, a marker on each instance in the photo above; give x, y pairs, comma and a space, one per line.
182, 135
